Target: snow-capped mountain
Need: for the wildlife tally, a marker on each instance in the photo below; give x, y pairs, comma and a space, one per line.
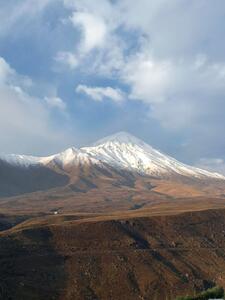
120, 151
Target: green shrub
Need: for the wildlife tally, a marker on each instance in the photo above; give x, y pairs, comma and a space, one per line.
213, 293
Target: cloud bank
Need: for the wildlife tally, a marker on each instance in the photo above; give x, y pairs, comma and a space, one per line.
25, 119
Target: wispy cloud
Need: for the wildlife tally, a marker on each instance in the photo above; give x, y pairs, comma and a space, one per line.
14, 15
101, 93
67, 59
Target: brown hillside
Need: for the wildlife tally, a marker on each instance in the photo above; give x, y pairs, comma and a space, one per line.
151, 257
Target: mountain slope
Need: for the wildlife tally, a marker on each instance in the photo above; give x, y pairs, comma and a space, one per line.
104, 171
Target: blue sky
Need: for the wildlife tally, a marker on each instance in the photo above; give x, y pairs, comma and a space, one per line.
73, 71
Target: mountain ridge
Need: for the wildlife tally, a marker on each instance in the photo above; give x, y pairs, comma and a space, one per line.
122, 151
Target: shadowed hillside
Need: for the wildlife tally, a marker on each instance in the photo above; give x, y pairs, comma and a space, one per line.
15, 180
157, 257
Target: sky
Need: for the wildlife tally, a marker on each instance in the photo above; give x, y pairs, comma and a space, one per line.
74, 71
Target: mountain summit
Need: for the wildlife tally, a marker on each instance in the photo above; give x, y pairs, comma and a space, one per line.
121, 137
121, 151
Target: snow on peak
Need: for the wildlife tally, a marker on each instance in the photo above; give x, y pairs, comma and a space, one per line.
124, 151
73, 156
25, 160
66, 156
121, 137
20, 160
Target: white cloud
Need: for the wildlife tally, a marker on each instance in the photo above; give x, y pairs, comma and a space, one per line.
55, 102
103, 10
155, 81
99, 48
212, 164
68, 59
101, 93
150, 80
178, 92
178, 81
93, 30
